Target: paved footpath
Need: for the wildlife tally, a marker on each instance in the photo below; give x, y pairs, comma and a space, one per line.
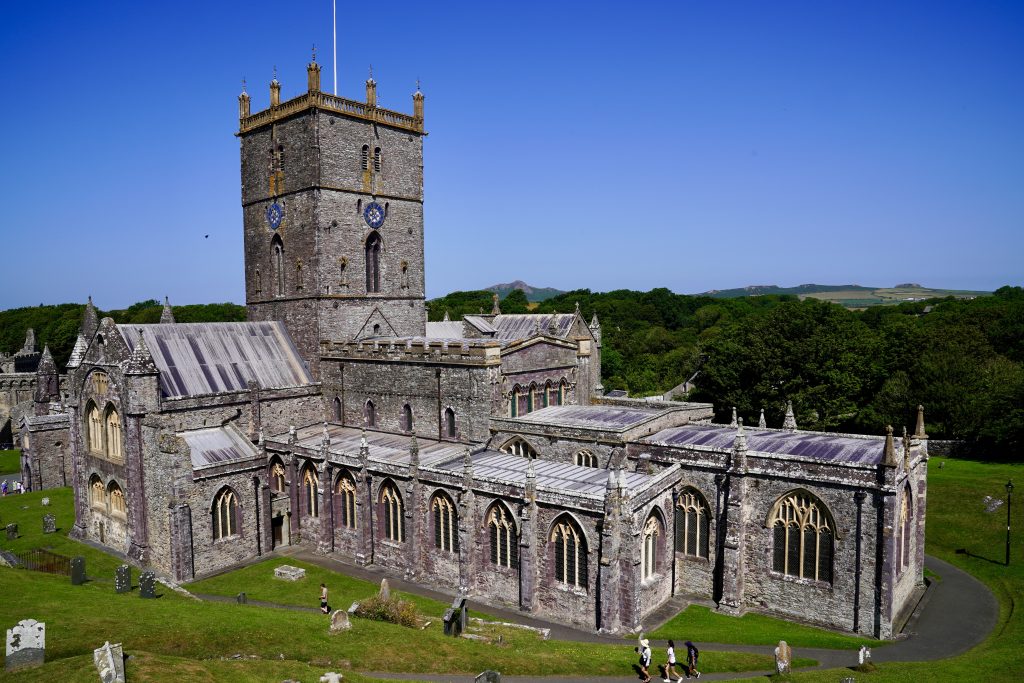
956, 613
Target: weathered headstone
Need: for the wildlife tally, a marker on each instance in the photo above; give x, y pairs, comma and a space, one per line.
109, 661
783, 658
289, 573
340, 621
242, 598
452, 622
385, 589
147, 585
46, 501
864, 654
77, 570
26, 645
12, 531
353, 607
49, 524
123, 579
331, 677
488, 677
459, 605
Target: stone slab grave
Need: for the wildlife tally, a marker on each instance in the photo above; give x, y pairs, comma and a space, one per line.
12, 531
488, 676
49, 524
385, 589
783, 658
123, 579
147, 585
46, 502
289, 573
455, 618
77, 570
331, 677
26, 645
109, 661
242, 598
340, 621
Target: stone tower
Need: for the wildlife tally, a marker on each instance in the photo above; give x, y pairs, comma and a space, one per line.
332, 204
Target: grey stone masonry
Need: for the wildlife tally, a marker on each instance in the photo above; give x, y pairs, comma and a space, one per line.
123, 579
26, 645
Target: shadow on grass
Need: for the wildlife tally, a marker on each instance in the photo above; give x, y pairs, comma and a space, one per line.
968, 553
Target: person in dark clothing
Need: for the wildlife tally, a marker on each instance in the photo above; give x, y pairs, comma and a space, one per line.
691, 660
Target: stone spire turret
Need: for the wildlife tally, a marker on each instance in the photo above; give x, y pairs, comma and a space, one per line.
790, 421
275, 90
90, 321
141, 361
739, 448
78, 352
243, 103
371, 90
919, 432
467, 469
495, 308
417, 102
166, 315
325, 442
889, 453
47, 383
313, 74
733, 422
446, 319
906, 449
761, 423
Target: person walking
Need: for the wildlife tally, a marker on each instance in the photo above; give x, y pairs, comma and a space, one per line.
645, 659
323, 599
670, 667
691, 660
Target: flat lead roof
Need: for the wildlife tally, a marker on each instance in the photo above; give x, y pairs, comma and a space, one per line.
591, 417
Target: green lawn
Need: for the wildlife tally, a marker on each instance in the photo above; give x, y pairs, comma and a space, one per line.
178, 638
10, 462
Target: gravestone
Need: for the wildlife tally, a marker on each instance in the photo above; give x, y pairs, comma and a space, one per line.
49, 524
340, 621
459, 605
12, 531
452, 622
488, 677
353, 607
331, 677
385, 589
147, 585
783, 658
289, 573
26, 645
77, 570
46, 501
109, 661
123, 579
242, 598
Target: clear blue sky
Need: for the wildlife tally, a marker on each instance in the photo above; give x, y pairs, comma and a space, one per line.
626, 145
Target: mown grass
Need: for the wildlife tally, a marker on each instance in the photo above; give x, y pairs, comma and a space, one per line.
957, 520
80, 618
10, 462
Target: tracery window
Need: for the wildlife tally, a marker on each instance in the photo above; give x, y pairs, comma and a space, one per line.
449, 423
586, 459
373, 245
97, 493
446, 523
99, 382
345, 494
225, 514
118, 508
310, 484
94, 428
906, 516
277, 477
693, 524
504, 539
570, 554
649, 548
391, 502
803, 537
519, 447
115, 447
407, 418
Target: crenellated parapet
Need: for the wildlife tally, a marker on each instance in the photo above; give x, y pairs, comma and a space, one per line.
415, 350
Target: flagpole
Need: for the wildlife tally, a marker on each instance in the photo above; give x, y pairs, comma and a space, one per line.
334, 24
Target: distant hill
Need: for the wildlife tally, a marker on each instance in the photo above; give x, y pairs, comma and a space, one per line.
533, 294
850, 296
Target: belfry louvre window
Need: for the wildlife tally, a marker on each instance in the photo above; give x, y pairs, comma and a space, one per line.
802, 538
504, 539
693, 524
519, 447
570, 554
446, 524
391, 502
376, 159
364, 158
310, 484
225, 514
649, 549
345, 494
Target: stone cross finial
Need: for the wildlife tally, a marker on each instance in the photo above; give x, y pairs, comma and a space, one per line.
790, 421
577, 311
495, 309
739, 447
733, 423
889, 453
919, 429
761, 423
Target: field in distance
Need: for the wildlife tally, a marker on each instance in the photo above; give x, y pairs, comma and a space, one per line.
852, 296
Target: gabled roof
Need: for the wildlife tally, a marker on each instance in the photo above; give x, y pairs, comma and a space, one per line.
207, 358
447, 329
522, 325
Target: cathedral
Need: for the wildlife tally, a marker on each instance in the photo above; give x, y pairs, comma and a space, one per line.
479, 456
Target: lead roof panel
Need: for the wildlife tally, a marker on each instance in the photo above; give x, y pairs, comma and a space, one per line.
593, 417
522, 325
217, 446
561, 476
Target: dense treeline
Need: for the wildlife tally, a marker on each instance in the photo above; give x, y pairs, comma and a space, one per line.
57, 326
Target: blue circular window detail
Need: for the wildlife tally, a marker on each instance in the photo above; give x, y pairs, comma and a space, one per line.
373, 214
275, 214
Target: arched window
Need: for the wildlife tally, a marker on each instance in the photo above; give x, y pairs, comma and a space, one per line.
298, 274
519, 446
364, 157
904, 541
277, 264
345, 497
514, 407
97, 493
277, 477
373, 246
570, 549
112, 428
802, 537
563, 392
446, 523
693, 524
370, 414
376, 329
225, 514
407, 418
310, 499
118, 508
501, 527
649, 550
449, 423
552, 392
540, 397
586, 459
391, 513
259, 282
337, 409
376, 159
342, 267
94, 428
531, 402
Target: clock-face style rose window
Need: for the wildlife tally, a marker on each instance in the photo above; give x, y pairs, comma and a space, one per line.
373, 214
275, 214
